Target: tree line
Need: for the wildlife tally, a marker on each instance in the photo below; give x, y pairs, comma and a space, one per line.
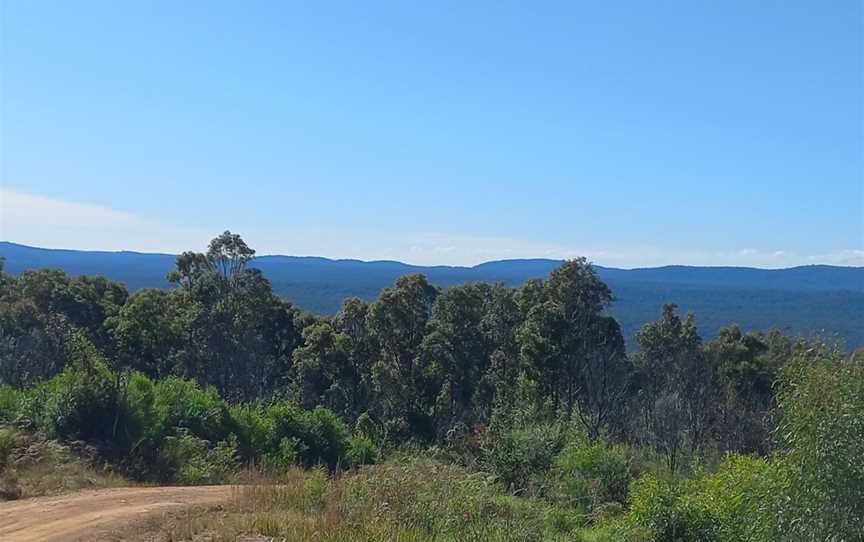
422, 363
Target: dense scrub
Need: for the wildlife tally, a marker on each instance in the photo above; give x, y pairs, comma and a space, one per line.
172, 430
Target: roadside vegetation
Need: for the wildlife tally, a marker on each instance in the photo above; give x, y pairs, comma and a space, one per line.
478, 412
33, 466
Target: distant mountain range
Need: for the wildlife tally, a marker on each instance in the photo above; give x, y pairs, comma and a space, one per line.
815, 299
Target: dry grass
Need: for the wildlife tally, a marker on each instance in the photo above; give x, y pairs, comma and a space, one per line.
414, 501
37, 467
297, 506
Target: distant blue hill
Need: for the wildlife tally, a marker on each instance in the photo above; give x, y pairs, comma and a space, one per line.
816, 299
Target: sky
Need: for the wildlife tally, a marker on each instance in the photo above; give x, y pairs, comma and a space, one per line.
634, 133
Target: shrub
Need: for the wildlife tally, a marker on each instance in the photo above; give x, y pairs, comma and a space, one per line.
144, 425
315, 487
284, 456
588, 475
10, 404
362, 451
8, 441
253, 429
184, 405
143, 418
821, 401
325, 436
166, 429
669, 511
616, 529
522, 456
367, 427
77, 404
317, 436
739, 496
189, 460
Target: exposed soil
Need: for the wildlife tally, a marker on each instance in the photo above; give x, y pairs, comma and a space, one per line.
86, 515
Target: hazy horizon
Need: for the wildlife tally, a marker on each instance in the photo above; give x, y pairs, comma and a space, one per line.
467, 266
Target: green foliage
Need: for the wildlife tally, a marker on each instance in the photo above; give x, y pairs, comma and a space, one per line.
77, 404
281, 430
521, 456
10, 404
184, 405
147, 332
671, 513
285, 456
615, 529
733, 504
144, 417
366, 426
324, 436
677, 386
175, 430
192, 461
8, 442
362, 451
445, 502
589, 476
821, 400
740, 496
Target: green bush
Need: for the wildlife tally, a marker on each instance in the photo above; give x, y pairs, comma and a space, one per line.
325, 436
285, 456
362, 451
8, 441
615, 529
10, 404
77, 404
182, 404
317, 436
144, 425
190, 460
521, 457
739, 495
253, 429
669, 511
586, 476
165, 429
315, 487
821, 465
143, 418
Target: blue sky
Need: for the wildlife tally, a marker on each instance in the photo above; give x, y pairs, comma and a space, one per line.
636, 133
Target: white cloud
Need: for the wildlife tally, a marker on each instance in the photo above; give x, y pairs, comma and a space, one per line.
46, 222
52, 223
748, 257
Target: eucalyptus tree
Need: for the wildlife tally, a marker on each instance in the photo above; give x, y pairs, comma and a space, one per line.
677, 385
397, 321
320, 369
147, 332
570, 347
237, 334
455, 355
352, 322
747, 365
499, 324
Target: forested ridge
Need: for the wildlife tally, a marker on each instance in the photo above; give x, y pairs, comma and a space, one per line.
754, 435
818, 300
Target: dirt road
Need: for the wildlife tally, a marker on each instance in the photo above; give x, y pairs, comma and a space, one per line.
84, 515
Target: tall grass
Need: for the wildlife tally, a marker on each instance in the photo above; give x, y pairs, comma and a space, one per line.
412, 500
